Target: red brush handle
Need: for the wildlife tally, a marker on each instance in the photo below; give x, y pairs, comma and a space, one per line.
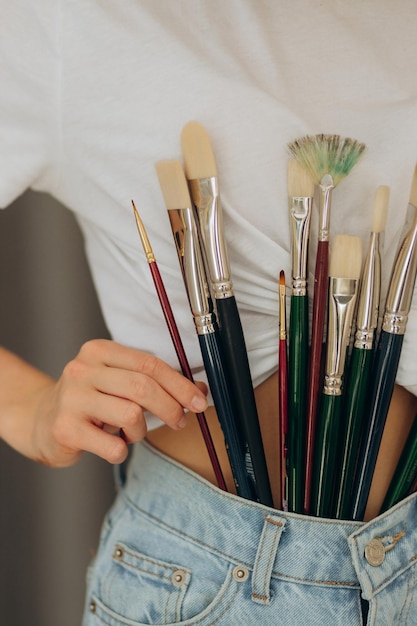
185, 368
321, 278
283, 418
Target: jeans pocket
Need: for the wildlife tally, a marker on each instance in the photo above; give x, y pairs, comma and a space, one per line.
138, 590
144, 589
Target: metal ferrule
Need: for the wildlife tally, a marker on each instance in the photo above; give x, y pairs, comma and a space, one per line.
403, 277
205, 195
368, 301
300, 216
185, 234
342, 297
325, 198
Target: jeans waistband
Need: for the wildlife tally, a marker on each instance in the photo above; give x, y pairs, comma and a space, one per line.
311, 550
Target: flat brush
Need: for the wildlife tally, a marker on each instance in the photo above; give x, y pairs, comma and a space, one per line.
397, 307
201, 172
345, 268
300, 192
283, 391
176, 340
328, 159
357, 386
184, 228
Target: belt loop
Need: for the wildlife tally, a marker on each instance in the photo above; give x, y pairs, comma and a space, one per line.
265, 558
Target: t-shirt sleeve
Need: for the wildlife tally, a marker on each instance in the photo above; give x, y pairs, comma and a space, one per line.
29, 94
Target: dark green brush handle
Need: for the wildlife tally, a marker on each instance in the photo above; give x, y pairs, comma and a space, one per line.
297, 397
240, 380
357, 391
405, 473
325, 455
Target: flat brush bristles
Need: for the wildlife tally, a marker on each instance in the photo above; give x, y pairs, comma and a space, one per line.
327, 154
300, 183
379, 219
198, 154
173, 184
413, 192
346, 257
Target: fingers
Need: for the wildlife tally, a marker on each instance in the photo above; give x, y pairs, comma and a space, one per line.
109, 388
144, 379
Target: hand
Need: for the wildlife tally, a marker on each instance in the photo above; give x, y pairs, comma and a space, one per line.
98, 404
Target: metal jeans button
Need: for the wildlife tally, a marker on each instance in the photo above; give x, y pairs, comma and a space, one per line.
375, 552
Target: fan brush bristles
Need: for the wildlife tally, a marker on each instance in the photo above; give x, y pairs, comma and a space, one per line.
327, 154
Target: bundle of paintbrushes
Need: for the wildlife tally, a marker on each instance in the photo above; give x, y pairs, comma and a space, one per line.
333, 443
333, 397
193, 201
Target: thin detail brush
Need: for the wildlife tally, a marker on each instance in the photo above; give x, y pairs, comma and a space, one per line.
345, 268
328, 159
283, 390
358, 379
177, 342
201, 172
397, 307
300, 192
184, 228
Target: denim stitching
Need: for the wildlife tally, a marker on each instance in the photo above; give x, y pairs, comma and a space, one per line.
147, 560
272, 553
217, 552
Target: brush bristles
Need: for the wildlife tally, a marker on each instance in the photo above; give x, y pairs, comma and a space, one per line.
346, 257
198, 154
327, 154
300, 183
413, 192
380, 209
173, 184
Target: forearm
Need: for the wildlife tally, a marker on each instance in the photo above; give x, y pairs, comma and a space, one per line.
21, 389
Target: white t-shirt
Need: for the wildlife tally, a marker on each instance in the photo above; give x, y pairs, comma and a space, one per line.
93, 92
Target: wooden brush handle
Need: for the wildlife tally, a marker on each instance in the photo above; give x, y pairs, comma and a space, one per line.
357, 392
321, 279
240, 380
297, 395
325, 456
384, 373
214, 366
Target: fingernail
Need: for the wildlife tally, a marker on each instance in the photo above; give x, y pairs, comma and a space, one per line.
182, 422
198, 403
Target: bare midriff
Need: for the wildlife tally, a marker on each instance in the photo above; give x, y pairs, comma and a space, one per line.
187, 446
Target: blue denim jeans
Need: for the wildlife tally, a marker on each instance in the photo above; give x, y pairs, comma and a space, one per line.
177, 550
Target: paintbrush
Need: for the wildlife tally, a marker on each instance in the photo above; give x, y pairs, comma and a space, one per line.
357, 386
397, 307
328, 159
201, 172
345, 268
177, 342
184, 228
283, 390
405, 474
300, 192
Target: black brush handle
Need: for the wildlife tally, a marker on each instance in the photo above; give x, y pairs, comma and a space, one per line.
240, 380
386, 364
214, 366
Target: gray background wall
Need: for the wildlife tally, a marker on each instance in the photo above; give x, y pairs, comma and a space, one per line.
49, 519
